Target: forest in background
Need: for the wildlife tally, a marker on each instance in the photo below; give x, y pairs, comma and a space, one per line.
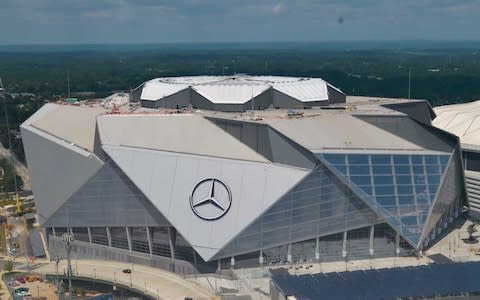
441, 72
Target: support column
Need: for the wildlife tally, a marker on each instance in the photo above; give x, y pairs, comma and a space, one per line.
232, 262
109, 237
194, 257
317, 249
219, 265
129, 238
149, 240
89, 232
372, 236
397, 244
172, 236
53, 232
344, 247
260, 258
289, 253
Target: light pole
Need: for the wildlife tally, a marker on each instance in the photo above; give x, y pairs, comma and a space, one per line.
57, 260
131, 270
67, 238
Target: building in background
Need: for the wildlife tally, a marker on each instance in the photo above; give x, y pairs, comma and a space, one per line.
463, 120
199, 190
236, 93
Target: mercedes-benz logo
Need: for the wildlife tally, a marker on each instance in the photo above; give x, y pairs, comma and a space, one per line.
211, 199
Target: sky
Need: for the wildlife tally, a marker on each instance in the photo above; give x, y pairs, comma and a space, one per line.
192, 21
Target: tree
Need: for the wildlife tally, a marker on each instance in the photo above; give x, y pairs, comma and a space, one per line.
8, 266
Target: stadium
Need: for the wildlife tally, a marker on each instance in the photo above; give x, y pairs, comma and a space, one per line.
205, 173
462, 121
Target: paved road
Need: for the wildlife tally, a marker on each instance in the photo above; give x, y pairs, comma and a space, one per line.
22, 170
157, 283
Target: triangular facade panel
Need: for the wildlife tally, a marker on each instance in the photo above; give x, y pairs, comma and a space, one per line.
318, 206
169, 179
448, 197
109, 198
400, 187
57, 168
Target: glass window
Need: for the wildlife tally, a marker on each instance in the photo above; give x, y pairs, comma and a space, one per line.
444, 159
361, 180
387, 201
433, 169
433, 179
384, 190
406, 200
419, 179
342, 169
358, 159
404, 190
417, 159
404, 170
431, 159
367, 189
418, 169
382, 169
432, 189
401, 159
383, 180
420, 188
335, 159
403, 179
359, 170
410, 220
381, 159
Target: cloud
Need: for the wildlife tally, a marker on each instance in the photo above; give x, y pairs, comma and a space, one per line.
153, 21
278, 8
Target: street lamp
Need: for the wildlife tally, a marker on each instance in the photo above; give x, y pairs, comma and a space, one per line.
67, 238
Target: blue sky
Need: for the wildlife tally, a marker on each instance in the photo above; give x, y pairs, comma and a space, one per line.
160, 21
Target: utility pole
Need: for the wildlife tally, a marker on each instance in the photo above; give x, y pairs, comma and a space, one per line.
68, 84
57, 260
409, 81
67, 238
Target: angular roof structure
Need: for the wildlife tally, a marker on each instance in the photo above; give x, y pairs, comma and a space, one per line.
463, 120
230, 93
231, 183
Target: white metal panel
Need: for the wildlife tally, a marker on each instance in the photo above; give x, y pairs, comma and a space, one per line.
339, 131
57, 169
182, 133
67, 122
306, 90
463, 120
230, 93
155, 89
254, 188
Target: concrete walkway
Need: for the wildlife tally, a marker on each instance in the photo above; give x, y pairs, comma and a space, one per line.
154, 282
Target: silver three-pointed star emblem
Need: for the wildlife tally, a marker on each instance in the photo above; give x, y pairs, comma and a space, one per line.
211, 199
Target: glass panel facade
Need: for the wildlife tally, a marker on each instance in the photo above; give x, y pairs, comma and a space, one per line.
160, 245
119, 237
450, 198
400, 187
319, 205
99, 235
80, 234
139, 239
